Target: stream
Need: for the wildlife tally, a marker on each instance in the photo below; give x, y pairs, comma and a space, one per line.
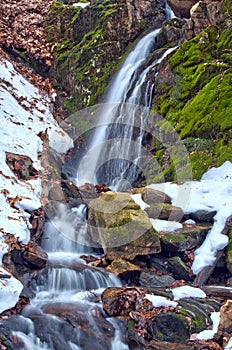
65, 312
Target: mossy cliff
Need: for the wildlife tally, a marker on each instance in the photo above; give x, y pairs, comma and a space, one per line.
193, 92
88, 43
192, 88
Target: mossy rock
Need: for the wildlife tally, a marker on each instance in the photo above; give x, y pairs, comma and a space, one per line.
121, 227
229, 252
182, 239
169, 327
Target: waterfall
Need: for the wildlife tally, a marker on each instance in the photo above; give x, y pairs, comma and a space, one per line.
117, 149
66, 285
66, 312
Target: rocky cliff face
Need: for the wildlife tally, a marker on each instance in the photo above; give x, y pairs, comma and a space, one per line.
89, 43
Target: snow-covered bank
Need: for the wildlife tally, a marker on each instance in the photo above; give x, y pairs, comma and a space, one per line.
24, 113
212, 193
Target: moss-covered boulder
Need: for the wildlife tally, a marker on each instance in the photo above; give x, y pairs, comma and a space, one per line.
184, 238
121, 227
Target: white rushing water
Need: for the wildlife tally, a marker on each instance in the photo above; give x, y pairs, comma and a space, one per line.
67, 283
117, 144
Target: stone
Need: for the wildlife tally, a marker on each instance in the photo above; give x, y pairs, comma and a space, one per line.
229, 252
35, 255
179, 269
70, 190
203, 216
21, 165
120, 266
225, 324
203, 14
169, 327
121, 227
182, 8
151, 196
183, 239
150, 279
165, 212
121, 301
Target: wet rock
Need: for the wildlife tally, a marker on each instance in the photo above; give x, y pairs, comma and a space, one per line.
183, 239
60, 331
203, 216
126, 271
179, 269
150, 279
35, 255
121, 227
164, 212
69, 189
197, 313
151, 196
170, 327
182, 8
88, 192
6, 338
22, 166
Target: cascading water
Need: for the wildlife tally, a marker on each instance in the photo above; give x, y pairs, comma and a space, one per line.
70, 289
117, 146
66, 312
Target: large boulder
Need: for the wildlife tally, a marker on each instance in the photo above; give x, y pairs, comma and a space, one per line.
121, 227
182, 8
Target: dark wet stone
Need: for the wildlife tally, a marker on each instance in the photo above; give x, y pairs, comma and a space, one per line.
35, 255
183, 239
170, 327
69, 189
179, 269
151, 279
203, 216
6, 337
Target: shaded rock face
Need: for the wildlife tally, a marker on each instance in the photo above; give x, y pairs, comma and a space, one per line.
181, 8
203, 14
121, 227
89, 43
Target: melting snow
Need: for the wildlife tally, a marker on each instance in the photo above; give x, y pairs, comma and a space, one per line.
24, 114
165, 226
209, 333
212, 193
159, 301
187, 292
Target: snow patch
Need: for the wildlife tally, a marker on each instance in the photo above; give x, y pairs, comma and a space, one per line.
212, 193
159, 301
187, 292
25, 113
10, 289
165, 226
138, 199
209, 333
